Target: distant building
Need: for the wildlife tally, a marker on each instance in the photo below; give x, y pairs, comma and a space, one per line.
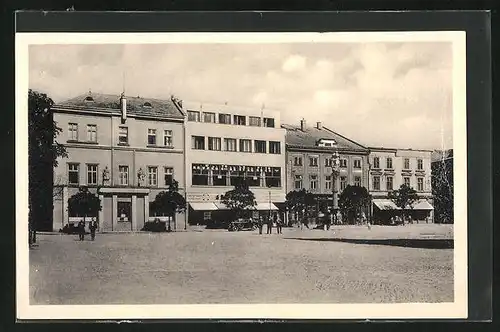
226, 144
309, 152
389, 169
124, 149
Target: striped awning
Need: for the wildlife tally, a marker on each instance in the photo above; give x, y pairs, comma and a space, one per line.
203, 206
385, 204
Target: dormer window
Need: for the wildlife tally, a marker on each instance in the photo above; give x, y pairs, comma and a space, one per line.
327, 142
147, 104
89, 99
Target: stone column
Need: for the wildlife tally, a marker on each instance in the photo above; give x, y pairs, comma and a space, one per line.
146, 208
114, 213
101, 213
65, 197
134, 213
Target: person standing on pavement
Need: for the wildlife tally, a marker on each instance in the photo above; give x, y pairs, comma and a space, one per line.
279, 225
269, 225
260, 224
81, 230
92, 227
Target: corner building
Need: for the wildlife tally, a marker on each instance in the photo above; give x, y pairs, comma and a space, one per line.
226, 144
124, 149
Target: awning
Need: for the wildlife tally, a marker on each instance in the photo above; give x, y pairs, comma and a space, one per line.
203, 206
221, 206
385, 204
265, 207
423, 205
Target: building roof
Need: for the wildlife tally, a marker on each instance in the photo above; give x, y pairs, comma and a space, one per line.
381, 148
139, 106
308, 138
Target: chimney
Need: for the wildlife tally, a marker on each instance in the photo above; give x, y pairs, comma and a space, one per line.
318, 125
303, 125
123, 106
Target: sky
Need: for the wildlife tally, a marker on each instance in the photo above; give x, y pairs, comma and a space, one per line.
393, 94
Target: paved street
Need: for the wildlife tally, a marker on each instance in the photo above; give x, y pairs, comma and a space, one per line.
343, 265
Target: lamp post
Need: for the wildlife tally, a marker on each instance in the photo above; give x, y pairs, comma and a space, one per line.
335, 172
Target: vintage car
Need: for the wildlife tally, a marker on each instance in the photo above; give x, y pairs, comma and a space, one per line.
242, 224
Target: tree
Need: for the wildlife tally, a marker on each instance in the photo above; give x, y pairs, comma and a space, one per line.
240, 199
299, 201
442, 188
352, 200
404, 198
169, 202
43, 151
84, 204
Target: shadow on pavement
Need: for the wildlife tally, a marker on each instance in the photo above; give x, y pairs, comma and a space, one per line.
407, 243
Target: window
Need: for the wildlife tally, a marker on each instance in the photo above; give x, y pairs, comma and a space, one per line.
245, 145
298, 182
254, 121
199, 175
357, 181
376, 162
275, 147
209, 117
389, 163
406, 181
269, 122
260, 146
169, 175
123, 135
230, 144
313, 161
273, 177
73, 173
420, 184
73, 131
91, 174
389, 186
297, 161
343, 182
313, 182
167, 138
152, 176
357, 163
219, 177
343, 163
225, 118
193, 116
151, 136
123, 172
328, 162
253, 177
407, 163
239, 120
420, 164
92, 133
207, 215
198, 142
214, 143
328, 182
376, 183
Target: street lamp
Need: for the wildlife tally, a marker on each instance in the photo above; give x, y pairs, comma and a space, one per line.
335, 172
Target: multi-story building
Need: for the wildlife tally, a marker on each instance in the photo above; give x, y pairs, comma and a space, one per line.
226, 144
309, 155
124, 149
391, 168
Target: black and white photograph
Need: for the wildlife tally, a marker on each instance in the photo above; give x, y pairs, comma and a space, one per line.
226, 175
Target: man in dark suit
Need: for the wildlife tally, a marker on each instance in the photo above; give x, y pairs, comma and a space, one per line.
81, 230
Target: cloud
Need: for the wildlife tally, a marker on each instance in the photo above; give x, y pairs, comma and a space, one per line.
294, 63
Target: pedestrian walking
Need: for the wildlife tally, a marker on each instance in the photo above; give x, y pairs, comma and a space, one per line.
260, 224
81, 230
93, 227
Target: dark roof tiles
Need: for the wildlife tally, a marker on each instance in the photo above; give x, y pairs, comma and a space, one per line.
135, 105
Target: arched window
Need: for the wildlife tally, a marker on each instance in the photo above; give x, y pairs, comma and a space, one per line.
147, 104
89, 98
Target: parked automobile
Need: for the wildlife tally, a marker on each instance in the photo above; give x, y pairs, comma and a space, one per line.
242, 224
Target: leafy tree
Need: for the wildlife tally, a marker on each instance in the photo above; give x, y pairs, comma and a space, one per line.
404, 198
299, 201
240, 199
442, 188
352, 200
169, 202
84, 204
43, 151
